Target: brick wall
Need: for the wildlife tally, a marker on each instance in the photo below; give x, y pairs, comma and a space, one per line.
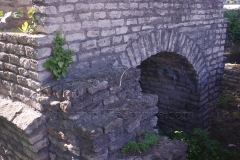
106, 35
23, 133
21, 59
99, 32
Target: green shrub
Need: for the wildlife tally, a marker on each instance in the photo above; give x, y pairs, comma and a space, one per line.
149, 139
200, 147
233, 25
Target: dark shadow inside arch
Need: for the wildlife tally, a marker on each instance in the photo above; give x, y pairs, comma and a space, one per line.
174, 80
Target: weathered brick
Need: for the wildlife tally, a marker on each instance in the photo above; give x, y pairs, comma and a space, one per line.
100, 15
89, 24
111, 6
85, 16
75, 36
93, 33
121, 30
132, 21
104, 42
89, 44
119, 22
71, 26
70, 18
117, 39
104, 23
105, 33
115, 14
97, 6
13, 59
66, 8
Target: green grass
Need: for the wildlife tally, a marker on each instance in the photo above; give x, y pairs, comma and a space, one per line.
224, 99
149, 139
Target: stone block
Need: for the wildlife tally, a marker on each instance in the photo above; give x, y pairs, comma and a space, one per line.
115, 14
133, 125
92, 33
69, 18
104, 23
71, 26
89, 24
89, 44
112, 125
14, 59
9, 110
75, 37
102, 155
111, 6
40, 145
111, 100
121, 30
28, 120
104, 42
96, 145
85, 16
99, 15
89, 131
66, 8
100, 96
117, 23
97, 86
105, 33
97, 6
37, 65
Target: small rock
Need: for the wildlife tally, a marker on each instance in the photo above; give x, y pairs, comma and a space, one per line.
231, 145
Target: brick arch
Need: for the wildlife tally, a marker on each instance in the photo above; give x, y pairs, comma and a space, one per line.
165, 41
171, 43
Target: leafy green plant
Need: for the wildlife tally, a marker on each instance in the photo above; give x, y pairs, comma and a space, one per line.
235, 114
61, 58
29, 28
149, 139
233, 25
1, 13
224, 99
200, 147
17, 14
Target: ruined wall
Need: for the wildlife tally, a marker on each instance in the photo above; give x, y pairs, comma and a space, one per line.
23, 132
21, 59
92, 118
99, 31
105, 35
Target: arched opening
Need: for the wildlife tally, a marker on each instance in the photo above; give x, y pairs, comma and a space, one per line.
174, 80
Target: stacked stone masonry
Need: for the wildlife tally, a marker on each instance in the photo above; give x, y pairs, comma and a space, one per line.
23, 132
177, 47
21, 59
231, 77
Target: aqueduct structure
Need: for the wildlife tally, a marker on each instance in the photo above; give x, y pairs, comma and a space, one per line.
137, 64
